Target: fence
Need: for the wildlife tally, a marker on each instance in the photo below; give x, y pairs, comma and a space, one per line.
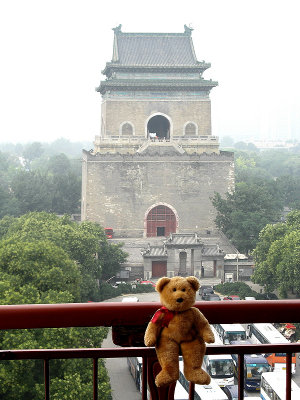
134, 315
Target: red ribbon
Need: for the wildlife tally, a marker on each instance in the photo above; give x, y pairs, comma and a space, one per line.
167, 316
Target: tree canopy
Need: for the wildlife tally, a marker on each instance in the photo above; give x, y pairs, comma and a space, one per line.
242, 214
266, 183
51, 184
277, 256
47, 235
48, 259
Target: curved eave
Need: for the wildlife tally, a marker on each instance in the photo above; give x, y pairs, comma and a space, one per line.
158, 85
111, 67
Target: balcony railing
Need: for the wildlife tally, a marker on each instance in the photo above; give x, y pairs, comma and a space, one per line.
138, 314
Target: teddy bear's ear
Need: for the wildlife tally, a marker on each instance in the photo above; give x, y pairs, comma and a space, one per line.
194, 282
161, 283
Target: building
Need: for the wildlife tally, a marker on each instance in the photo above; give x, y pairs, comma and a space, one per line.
143, 186
155, 165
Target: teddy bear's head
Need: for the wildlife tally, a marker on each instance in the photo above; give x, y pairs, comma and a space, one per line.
178, 293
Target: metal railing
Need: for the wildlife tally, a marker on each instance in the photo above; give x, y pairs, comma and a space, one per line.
137, 314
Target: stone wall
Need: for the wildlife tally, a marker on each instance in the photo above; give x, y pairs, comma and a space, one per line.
119, 189
115, 112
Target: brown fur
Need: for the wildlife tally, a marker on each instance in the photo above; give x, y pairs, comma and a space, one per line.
187, 331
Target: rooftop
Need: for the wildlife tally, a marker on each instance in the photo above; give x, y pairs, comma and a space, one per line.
157, 49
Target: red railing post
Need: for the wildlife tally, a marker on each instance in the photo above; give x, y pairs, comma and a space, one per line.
144, 378
288, 375
47, 379
191, 391
241, 376
95, 378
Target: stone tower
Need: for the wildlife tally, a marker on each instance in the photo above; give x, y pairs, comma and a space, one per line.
155, 166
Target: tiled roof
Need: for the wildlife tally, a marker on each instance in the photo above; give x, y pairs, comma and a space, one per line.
157, 49
157, 84
154, 251
183, 239
212, 251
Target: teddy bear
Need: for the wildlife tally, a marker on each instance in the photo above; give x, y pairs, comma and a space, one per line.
178, 327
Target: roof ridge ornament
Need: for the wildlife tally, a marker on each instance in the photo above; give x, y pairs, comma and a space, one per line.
188, 30
117, 29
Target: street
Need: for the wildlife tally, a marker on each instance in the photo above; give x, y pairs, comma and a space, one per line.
122, 383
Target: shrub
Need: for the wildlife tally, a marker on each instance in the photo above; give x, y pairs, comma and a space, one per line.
242, 290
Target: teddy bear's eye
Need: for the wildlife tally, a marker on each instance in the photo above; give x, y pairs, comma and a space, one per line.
183, 290
174, 289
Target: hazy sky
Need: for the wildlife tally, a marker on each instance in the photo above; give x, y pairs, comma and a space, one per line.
53, 51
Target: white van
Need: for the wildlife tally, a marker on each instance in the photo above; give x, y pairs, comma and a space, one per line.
131, 299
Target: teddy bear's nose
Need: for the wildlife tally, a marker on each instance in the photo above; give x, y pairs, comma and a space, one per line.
179, 300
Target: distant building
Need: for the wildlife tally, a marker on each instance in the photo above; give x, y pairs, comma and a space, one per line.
155, 166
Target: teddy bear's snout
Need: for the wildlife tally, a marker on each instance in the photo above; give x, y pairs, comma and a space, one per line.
179, 300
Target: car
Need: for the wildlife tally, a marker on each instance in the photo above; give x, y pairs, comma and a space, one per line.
130, 299
148, 283
118, 283
206, 288
232, 297
211, 297
232, 392
206, 292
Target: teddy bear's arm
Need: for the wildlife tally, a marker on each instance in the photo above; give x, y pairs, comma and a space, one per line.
151, 334
202, 326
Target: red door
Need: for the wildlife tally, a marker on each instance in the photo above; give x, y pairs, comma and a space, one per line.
161, 221
159, 268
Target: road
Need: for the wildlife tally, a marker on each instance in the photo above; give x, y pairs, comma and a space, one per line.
122, 384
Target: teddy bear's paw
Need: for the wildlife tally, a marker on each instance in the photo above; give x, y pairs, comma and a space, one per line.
209, 338
198, 376
150, 341
165, 379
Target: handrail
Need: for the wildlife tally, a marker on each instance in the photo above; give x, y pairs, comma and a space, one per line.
119, 314
133, 314
40, 354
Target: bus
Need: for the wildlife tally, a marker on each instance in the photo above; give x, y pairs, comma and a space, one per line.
219, 367
273, 386
230, 332
135, 365
267, 333
254, 366
202, 392
180, 392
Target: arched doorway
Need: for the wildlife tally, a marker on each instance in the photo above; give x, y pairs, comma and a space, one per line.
161, 221
159, 125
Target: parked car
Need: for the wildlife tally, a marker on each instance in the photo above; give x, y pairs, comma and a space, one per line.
148, 283
130, 299
206, 288
232, 297
118, 283
232, 392
211, 297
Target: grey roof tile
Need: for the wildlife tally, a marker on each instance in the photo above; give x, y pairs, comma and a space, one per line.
155, 49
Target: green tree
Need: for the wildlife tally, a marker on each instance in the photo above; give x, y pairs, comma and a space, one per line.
84, 243
277, 256
32, 151
243, 214
45, 259
32, 191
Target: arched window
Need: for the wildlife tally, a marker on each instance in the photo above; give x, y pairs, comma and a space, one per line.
190, 129
161, 221
127, 129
